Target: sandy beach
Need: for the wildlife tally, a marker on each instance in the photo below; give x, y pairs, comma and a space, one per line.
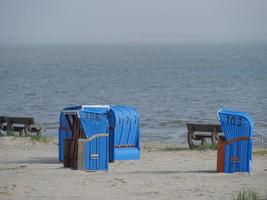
30, 170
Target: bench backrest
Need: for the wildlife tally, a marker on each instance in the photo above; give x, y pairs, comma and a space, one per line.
17, 120
203, 127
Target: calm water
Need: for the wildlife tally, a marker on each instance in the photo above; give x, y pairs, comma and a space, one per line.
169, 84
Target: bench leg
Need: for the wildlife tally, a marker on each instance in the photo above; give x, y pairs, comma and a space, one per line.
215, 136
9, 129
203, 141
26, 130
21, 132
190, 139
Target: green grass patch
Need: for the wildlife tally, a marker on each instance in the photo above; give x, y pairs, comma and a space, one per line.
11, 133
205, 147
247, 194
33, 137
195, 147
175, 148
260, 152
38, 138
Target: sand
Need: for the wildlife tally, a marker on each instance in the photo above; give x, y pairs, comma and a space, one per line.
31, 171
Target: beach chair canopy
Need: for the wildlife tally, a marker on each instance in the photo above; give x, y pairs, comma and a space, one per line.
235, 124
93, 118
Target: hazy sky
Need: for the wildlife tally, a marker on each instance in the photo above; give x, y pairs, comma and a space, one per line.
131, 20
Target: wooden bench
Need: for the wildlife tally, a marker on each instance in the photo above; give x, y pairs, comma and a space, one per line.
23, 125
203, 131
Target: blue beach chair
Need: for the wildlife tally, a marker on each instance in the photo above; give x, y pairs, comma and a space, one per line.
238, 132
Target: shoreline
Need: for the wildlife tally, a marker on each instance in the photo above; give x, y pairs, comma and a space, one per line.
30, 170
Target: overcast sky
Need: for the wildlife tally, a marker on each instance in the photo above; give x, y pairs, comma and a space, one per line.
131, 20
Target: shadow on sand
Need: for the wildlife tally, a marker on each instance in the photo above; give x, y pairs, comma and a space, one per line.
173, 172
39, 160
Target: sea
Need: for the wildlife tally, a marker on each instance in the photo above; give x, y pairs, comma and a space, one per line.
169, 83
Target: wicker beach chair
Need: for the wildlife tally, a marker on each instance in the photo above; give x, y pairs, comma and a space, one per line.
237, 147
